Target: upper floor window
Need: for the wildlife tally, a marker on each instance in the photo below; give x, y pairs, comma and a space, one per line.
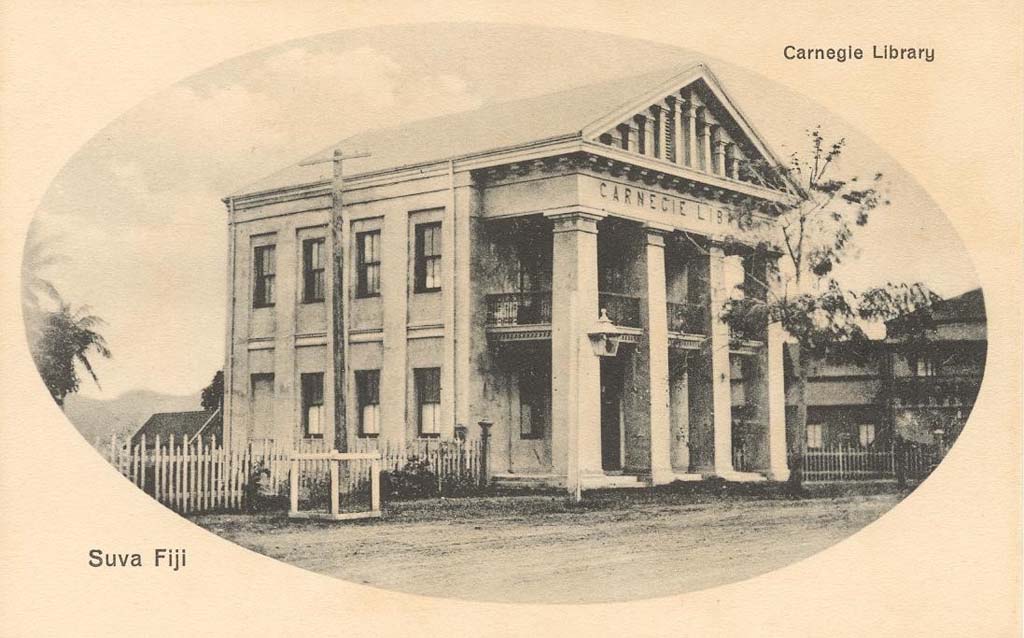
368, 397
866, 432
428, 400
814, 435
313, 270
313, 405
428, 257
368, 244
925, 366
263, 276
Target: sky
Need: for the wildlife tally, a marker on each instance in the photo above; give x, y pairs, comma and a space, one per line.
136, 218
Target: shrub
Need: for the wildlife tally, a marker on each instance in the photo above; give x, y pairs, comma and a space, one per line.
415, 479
260, 495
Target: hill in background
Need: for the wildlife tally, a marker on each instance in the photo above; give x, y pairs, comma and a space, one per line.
99, 418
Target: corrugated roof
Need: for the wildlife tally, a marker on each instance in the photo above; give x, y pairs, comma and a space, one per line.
180, 424
493, 126
969, 305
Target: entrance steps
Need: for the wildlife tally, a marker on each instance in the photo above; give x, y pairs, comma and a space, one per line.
613, 481
515, 482
526, 482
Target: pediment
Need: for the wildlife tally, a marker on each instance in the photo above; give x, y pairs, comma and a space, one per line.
690, 122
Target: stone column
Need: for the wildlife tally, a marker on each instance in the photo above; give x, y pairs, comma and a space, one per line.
765, 391
679, 406
657, 355
721, 384
778, 464
575, 370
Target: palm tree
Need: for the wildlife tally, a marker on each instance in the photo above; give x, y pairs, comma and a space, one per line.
37, 293
67, 337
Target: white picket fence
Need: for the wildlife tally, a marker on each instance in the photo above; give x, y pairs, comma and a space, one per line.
200, 475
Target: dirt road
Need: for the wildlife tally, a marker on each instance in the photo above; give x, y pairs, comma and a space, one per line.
540, 549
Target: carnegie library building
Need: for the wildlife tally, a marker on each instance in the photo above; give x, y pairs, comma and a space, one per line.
554, 265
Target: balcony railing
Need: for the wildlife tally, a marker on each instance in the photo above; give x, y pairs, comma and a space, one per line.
532, 308
936, 391
519, 308
623, 310
687, 318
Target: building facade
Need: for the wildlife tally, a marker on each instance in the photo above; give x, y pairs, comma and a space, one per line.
481, 252
921, 390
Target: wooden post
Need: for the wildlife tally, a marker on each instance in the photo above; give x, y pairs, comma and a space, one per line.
334, 486
156, 468
485, 449
294, 486
375, 485
142, 463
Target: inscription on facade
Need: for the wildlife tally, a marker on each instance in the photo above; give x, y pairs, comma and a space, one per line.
686, 212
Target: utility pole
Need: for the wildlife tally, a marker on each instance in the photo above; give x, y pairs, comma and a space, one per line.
337, 319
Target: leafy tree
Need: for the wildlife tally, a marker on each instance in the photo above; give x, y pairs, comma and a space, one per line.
812, 233
213, 394
67, 337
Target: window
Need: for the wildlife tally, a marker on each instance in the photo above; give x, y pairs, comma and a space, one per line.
534, 388
428, 257
368, 244
263, 270
428, 400
925, 366
262, 406
313, 405
867, 434
313, 270
814, 432
368, 397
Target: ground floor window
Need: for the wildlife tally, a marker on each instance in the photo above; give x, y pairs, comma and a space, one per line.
867, 434
368, 396
428, 400
534, 390
313, 404
814, 435
262, 406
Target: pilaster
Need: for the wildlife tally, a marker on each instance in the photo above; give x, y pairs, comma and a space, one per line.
705, 147
679, 132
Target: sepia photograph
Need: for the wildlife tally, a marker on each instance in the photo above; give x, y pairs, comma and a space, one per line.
505, 313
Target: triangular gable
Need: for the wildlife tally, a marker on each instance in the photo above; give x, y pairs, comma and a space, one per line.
690, 121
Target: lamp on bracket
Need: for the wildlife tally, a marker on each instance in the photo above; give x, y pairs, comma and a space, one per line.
605, 336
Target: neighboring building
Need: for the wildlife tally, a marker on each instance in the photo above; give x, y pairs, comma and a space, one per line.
919, 388
936, 379
185, 427
478, 249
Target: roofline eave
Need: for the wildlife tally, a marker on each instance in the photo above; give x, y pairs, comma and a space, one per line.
499, 152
